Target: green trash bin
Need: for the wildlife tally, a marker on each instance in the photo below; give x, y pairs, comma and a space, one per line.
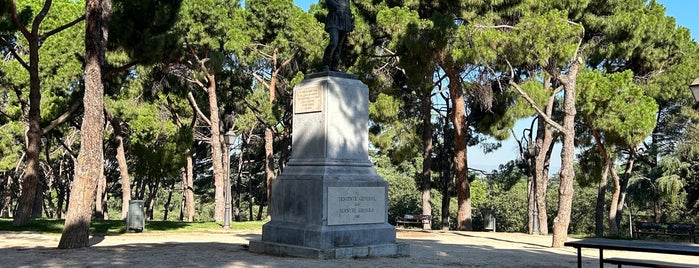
135, 218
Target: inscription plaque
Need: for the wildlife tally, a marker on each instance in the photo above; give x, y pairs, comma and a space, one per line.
308, 100
356, 205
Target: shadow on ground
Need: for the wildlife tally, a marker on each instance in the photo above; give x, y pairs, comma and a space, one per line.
460, 250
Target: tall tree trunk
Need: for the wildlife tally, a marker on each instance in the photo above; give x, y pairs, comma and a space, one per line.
608, 169
532, 227
544, 142
447, 185
216, 153
616, 192
140, 188
90, 164
269, 158
238, 183
239, 179
153, 188
189, 187
38, 206
259, 210
105, 200
599, 207
168, 201
567, 176
463, 191
426, 157
227, 184
60, 187
123, 167
99, 197
7, 198
623, 185
32, 117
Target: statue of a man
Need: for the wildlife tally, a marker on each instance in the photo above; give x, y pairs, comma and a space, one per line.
339, 24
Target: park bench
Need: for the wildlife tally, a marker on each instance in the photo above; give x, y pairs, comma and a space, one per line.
414, 219
670, 229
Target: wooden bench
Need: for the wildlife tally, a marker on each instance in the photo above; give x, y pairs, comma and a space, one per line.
644, 263
670, 229
414, 219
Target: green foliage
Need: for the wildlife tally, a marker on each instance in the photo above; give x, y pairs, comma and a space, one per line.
582, 218
396, 138
617, 107
403, 196
10, 144
143, 28
549, 40
60, 68
159, 145
511, 207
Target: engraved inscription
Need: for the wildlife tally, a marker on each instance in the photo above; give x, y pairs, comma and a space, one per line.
356, 205
308, 100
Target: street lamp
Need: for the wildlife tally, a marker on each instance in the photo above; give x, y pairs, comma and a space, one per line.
694, 86
228, 138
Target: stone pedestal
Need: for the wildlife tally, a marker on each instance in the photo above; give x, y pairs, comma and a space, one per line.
329, 202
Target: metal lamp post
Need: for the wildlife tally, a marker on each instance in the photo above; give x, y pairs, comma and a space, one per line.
228, 138
694, 86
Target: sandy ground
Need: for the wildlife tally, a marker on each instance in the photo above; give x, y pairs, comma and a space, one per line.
219, 248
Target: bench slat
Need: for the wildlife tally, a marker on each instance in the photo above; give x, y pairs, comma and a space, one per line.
414, 219
671, 229
646, 263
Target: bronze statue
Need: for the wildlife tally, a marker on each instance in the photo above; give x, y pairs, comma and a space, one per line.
339, 24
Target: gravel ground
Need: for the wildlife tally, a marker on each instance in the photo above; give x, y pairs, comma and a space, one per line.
219, 248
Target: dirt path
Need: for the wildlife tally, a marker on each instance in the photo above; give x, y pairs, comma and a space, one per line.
216, 248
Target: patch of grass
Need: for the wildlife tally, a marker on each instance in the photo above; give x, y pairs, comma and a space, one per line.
118, 226
34, 225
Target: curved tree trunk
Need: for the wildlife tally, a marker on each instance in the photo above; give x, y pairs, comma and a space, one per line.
623, 185
100, 198
426, 175
599, 207
616, 192
544, 142
123, 167
90, 163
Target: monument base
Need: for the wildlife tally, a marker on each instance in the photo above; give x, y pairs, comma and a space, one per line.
385, 250
329, 202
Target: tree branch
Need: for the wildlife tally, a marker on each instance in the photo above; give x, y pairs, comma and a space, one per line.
494, 27
194, 105
121, 68
15, 19
62, 27
62, 118
40, 17
257, 115
531, 102
260, 79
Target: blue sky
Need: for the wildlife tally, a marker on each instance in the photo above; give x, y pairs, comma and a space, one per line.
305, 4
685, 12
